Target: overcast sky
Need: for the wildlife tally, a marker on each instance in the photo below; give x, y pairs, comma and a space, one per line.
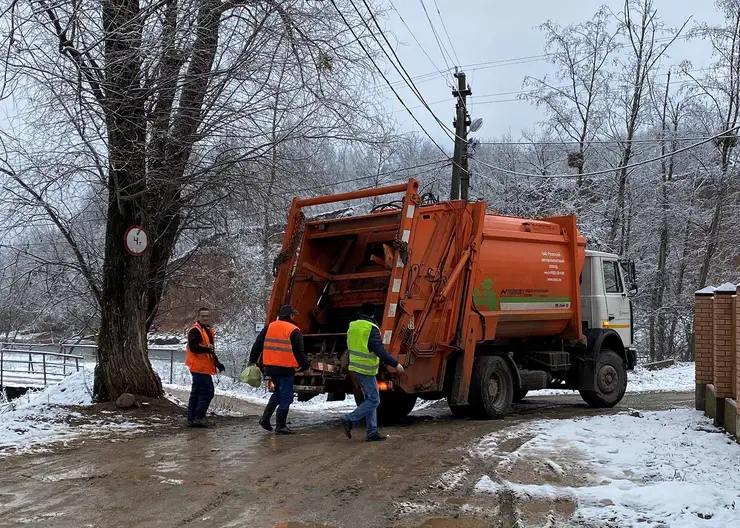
483, 31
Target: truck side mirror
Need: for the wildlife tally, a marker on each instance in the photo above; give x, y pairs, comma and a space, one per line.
632, 289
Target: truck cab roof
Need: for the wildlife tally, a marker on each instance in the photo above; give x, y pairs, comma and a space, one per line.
592, 253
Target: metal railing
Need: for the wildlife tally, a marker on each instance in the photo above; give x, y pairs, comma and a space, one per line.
35, 368
84, 352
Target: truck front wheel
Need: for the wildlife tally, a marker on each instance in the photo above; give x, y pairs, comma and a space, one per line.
491, 388
610, 381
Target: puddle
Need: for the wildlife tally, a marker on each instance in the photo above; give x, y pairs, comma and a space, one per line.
81, 473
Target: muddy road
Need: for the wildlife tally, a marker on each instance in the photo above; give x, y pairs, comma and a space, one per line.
237, 475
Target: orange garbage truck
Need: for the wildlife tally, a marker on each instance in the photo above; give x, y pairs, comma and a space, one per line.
479, 308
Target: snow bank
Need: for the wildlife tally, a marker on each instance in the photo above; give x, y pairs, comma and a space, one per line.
677, 378
669, 468
39, 418
75, 389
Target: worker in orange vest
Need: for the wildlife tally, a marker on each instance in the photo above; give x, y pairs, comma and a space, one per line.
281, 346
200, 358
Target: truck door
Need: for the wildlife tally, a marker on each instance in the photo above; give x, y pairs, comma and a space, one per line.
617, 302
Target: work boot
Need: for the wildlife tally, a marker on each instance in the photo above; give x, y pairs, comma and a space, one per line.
347, 424
282, 426
266, 415
377, 437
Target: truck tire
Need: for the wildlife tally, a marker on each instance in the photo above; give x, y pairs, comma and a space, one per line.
491, 388
394, 405
458, 411
610, 383
519, 395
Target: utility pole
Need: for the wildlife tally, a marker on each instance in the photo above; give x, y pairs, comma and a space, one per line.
460, 176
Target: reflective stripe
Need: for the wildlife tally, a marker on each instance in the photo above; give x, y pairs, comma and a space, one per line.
279, 347
363, 369
368, 355
361, 360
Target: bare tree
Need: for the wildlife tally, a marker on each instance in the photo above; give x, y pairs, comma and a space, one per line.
721, 87
641, 27
148, 93
575, 99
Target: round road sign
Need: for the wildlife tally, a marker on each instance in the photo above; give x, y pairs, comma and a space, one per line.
136, 240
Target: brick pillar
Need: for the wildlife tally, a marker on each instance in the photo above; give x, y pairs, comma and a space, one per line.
703, 342
737, 361
724, 347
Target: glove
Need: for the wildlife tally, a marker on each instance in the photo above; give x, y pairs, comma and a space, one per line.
400, 368
220, 366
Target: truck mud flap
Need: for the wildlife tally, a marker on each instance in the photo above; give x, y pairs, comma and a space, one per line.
585, 373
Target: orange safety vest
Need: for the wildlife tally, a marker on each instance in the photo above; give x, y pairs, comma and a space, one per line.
278, 351
201, 363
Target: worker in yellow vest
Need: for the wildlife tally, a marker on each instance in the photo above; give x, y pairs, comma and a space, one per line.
281, 346
366, 351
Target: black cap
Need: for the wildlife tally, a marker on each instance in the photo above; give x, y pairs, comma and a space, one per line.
368, 309
287, 311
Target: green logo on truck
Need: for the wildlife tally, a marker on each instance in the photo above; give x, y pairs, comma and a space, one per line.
487, 299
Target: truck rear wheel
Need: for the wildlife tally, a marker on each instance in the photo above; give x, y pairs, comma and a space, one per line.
458, 411
519, 395
610, 383
491, 388
394, 405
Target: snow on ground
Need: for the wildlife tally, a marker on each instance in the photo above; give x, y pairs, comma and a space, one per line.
677, 378
670, 468
39, 418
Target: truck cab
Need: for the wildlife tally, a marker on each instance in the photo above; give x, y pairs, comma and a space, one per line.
607, 282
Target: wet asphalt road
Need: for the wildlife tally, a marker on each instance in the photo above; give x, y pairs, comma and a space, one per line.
238, 475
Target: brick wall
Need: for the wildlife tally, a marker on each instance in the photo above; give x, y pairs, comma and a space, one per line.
724, 343
737, 345
703, 332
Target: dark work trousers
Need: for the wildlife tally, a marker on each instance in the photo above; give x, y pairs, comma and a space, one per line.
282, 394
201, 394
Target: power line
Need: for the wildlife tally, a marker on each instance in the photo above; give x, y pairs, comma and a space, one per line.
594, 141
442, 164
436, 36
513, 61
439, 70
444, 27
608, 171
402, 71
370, 57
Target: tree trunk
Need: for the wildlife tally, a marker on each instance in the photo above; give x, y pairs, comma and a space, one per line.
123, 363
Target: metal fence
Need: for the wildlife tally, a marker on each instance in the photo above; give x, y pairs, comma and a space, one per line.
31, 367
30, 358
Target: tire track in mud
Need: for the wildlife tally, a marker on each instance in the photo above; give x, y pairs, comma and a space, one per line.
218, 501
